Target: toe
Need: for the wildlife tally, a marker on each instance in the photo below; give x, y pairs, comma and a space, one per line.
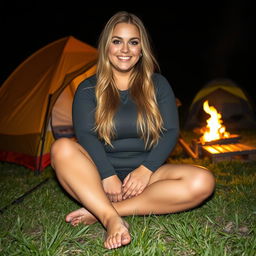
75, 214
126, 238
70, 217
75, 221
107, 243
116, 241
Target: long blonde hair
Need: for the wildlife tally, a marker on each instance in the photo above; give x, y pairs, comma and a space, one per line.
149, 121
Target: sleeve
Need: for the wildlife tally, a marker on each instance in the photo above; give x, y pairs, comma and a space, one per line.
83, 110
168, 109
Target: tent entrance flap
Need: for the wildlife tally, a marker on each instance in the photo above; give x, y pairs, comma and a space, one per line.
61, 121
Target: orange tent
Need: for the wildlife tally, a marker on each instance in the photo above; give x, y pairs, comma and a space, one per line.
38, 96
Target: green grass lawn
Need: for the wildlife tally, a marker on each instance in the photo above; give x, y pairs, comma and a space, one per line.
224, 225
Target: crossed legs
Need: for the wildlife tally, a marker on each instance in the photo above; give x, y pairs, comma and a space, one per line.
172, 188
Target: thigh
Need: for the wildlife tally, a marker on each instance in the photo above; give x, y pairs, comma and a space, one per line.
178, 172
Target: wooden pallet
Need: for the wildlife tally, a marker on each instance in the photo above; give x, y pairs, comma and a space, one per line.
219, 152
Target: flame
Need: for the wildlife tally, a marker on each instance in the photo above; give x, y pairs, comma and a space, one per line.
214, 129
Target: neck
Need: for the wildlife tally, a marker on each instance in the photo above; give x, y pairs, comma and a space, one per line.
122, 80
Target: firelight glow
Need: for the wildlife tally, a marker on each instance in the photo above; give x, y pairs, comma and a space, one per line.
214, 129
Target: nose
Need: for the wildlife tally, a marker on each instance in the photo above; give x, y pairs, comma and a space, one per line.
125, 48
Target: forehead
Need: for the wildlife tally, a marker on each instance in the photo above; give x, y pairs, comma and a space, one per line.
126, 30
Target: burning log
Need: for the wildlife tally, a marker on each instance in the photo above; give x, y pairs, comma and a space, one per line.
233, 138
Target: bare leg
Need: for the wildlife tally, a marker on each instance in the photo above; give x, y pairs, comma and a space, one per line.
172, 188
79, 176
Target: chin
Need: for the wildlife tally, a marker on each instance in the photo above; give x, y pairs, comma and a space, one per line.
123, 70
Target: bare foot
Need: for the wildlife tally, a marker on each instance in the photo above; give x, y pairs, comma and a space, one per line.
80, 216
117, 234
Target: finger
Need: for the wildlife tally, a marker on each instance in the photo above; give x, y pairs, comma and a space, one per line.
128, 186
139, 191
130, 191
133, 193
126, 179
119, 197
114, 198
110, 196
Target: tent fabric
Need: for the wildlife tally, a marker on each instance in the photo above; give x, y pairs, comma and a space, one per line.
224, 85
29, 94
61, 118
230, 100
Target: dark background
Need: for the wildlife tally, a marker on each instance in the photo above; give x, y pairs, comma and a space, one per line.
193, 42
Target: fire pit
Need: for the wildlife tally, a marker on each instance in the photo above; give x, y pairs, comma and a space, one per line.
217, 143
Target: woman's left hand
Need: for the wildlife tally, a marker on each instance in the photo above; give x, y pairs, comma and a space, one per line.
136, 181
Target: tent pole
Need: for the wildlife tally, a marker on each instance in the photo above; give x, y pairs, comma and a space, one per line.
20, 199
43, 135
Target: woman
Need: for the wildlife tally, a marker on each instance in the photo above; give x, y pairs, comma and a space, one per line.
126, 122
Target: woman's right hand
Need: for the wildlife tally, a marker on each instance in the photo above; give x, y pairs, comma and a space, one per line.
113, 188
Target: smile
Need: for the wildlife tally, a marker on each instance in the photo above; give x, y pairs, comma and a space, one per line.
124, 57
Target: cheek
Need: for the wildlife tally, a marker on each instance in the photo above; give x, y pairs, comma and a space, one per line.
112, 50
136, 51
111, 54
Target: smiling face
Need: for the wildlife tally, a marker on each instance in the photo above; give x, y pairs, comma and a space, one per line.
125, 47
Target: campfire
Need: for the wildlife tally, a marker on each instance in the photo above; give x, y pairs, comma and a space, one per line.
214, 129
216, 142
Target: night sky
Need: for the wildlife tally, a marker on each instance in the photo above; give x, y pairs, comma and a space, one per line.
194, 43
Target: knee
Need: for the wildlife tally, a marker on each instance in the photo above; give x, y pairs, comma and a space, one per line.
202, 185
61, 149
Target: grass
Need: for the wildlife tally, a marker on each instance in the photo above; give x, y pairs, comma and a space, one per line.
224, 225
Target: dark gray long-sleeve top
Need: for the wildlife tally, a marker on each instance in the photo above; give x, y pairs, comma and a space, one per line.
128, 151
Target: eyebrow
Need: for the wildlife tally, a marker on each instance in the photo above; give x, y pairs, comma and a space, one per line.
132, 38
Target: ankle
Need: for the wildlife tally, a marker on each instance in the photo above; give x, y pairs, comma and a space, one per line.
109, 219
